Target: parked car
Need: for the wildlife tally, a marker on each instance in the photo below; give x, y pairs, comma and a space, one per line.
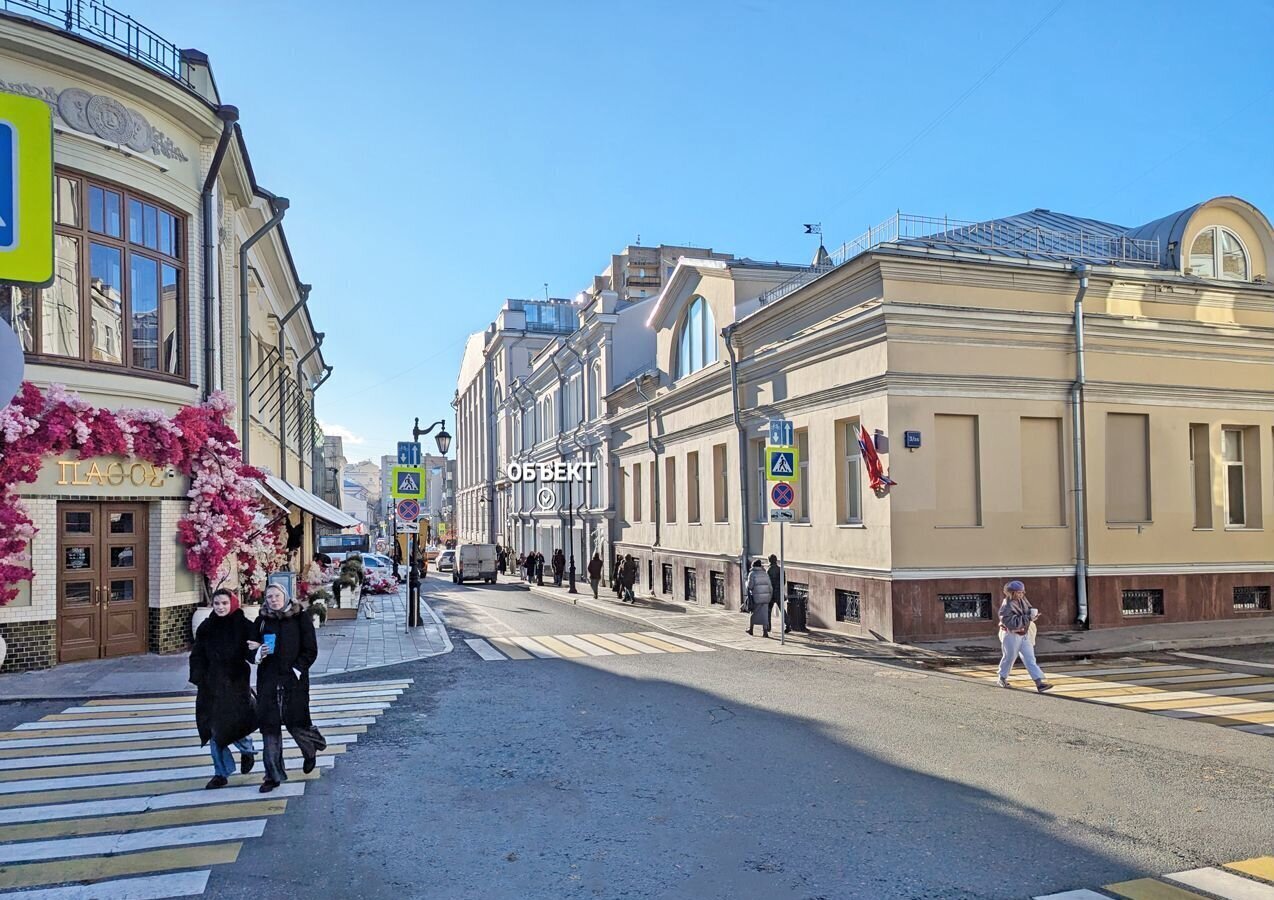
474, 562
446, 561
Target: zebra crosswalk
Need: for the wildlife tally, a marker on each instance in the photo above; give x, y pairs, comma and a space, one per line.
1235, 700
580, 646
1247, 879
106, 801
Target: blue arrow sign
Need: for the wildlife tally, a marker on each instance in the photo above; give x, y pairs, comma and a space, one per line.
408, 453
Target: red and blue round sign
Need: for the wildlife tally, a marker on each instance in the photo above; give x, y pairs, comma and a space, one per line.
408, 510
782, 494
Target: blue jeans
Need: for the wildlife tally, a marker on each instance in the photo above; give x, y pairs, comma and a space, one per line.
223, 759
1016, 645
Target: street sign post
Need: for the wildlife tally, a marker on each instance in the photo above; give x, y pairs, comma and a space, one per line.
782, 495
26, 190
781, 433
782, 463
407, 483
408, 453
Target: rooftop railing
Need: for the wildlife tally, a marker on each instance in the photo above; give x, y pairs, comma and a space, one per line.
1001, 238
101, 23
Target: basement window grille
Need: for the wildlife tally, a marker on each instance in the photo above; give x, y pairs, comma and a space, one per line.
848, 608
692, 587
965, 606
1147, 602
667, 578
1251, 597
716, 584
798, 591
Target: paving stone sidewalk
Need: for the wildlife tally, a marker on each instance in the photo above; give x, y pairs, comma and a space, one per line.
345, 646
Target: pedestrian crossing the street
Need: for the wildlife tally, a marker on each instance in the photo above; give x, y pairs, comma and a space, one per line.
581, 646
1235, 700
106, 800
1248, 879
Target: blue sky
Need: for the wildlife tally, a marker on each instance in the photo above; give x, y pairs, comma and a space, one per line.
441, 157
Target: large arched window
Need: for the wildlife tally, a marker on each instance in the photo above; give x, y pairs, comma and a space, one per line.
697, 345
1218, 253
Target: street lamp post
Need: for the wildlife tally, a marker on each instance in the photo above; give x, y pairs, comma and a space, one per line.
413, 578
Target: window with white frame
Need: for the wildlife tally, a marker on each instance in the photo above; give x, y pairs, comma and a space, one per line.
697, 344
759, 513
851, 512
1235, 481
803, 482
1218, 253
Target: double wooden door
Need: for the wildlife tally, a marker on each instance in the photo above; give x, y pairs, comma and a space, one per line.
102, 568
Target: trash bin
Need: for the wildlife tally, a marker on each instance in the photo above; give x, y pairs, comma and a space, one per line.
796, 612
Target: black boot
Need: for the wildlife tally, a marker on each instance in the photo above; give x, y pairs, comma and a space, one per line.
246, 762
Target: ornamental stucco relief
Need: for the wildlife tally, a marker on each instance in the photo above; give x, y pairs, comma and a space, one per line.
103, 116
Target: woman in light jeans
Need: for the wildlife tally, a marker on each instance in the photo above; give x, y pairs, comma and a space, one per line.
1016, 617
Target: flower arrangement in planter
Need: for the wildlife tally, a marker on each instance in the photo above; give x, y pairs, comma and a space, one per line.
226, 522
374, 583
350, 576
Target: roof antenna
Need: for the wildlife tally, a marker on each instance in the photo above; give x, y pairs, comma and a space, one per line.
639, 239
546, 290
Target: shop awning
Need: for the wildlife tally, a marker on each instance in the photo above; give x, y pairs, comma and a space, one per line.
315, 506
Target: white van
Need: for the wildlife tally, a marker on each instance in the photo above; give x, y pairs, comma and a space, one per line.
474, 562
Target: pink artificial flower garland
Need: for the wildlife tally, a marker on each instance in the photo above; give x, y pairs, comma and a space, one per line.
227, 517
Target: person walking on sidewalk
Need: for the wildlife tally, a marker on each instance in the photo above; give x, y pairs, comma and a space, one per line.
759, 594
617, 577
286, 648
539, 569
559, 566
776, 591
1016, 617
595, 572
628, 577
224, 713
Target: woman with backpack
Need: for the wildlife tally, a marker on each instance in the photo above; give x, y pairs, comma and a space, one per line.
1017, 618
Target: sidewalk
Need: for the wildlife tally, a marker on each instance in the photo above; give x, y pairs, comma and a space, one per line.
345, 646
721, 628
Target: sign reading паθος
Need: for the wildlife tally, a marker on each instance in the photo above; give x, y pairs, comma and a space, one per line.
108, 476
550, 471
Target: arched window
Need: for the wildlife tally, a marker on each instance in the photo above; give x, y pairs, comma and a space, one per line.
697, 345
594, 382
1218, 253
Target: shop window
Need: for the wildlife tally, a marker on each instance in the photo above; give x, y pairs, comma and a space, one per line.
1250, 598
965, 606
1142, 602
666, 584
692, 587
848, 607
716, 584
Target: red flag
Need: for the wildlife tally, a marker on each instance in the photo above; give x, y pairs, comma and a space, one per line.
879, 480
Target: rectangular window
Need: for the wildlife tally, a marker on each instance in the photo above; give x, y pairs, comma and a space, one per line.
692, 487
803, 483
654, 500
720, 484
959, 501
965, 606
1143, 602
1235, 487
18, 313
1127, 468
1248, 598
760, 503
637, 492
666, 584
692, 590
716, 583
849, 477
1201, 475
623, 494
60, 305
1043, 485
670, 489
848, 607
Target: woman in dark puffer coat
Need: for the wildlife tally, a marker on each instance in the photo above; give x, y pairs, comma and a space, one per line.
283, 683
225, 713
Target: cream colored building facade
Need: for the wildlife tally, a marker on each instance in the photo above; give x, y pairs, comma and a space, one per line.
963, 338
126, 324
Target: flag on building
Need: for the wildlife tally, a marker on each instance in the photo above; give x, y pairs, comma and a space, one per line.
879, 480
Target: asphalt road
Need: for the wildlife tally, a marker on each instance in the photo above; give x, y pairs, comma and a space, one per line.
744, 775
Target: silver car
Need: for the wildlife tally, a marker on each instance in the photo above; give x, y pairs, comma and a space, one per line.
446, 561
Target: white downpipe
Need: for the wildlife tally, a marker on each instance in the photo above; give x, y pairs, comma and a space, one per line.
1077, 453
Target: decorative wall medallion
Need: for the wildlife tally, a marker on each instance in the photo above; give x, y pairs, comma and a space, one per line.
109, 119
72, 106
140, 139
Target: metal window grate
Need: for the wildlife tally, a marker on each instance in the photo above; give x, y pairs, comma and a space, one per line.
965, 606
692, 587
1147, 602
667, 578
1251, 597
716, 584
798, 591
848, 607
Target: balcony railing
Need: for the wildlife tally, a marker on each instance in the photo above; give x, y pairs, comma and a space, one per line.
102, 24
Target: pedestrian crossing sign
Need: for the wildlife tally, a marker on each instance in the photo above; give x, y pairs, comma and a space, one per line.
407, 483
782, 464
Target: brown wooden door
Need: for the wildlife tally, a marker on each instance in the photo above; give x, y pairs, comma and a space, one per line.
102, 568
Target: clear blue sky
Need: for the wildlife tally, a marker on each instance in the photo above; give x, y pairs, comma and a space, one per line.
441, 157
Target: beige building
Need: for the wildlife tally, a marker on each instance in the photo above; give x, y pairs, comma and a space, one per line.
156, 200
1085, 406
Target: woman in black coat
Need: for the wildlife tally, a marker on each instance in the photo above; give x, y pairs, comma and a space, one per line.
224, 711
283, 683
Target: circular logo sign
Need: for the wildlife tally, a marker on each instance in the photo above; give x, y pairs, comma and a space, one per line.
547, 498
782, 494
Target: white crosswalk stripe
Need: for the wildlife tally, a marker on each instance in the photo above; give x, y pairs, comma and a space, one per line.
148, 887
522, 647
29, 851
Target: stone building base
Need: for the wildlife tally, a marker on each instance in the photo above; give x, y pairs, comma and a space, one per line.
169, 628
31, 645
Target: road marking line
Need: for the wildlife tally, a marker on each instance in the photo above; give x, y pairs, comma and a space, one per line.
656, 642
533, 647
161, 818
30, 729
14, 759
510, 649
1184, 695
129, 842
317, 688
1074, 895
680, 642
146, 803
1226, 660
1255, 729
1170, 679
148, 887
129, 718
116, 778
579, 644
1080, 672
1260, 866
96, 868
485, 650
608, 644
1257, 718
41, 768
135, 739
148, 789
176, 705
564, 650
1194, 684
639, 646
1150, 889
1223, 884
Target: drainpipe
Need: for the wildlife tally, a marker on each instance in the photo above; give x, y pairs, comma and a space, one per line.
585, 456
228, 116
650, 444
557, 442
279, 206
300, 407
744, 550
1077, 453
304, 290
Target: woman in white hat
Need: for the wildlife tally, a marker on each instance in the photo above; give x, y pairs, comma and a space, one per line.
1016, 616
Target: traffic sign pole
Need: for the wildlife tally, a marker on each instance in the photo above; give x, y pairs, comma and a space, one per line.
782, 586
